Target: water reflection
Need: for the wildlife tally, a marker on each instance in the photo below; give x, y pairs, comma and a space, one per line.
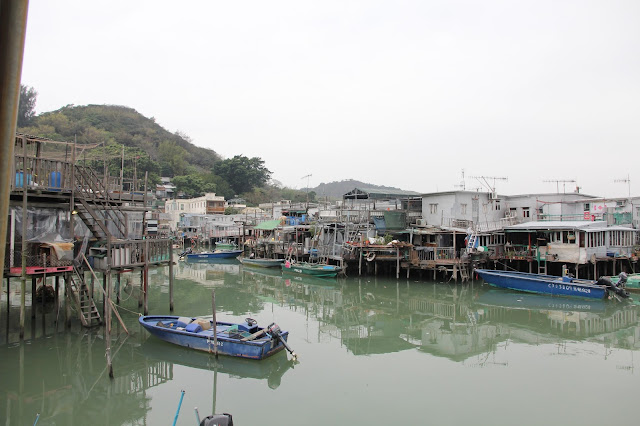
61, 373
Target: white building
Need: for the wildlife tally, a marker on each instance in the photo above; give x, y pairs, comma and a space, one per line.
208, 204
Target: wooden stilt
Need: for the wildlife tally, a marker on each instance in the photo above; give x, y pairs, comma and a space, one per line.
170, 277
33, 296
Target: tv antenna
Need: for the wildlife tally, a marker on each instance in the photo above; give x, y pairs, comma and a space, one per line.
461, 184
484, 181
561, 181
627, 180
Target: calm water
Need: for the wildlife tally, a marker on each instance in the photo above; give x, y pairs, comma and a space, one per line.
372, 351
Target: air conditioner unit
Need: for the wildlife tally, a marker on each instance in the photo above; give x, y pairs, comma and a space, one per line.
421, 222
493, 196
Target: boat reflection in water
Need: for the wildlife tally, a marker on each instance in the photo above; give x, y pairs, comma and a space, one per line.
270, 369
461, 322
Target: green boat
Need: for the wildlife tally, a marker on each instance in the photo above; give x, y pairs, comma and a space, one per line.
632, 284
261, 263
311, 269
225, 245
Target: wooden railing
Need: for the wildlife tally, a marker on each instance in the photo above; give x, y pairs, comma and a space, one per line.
38, 173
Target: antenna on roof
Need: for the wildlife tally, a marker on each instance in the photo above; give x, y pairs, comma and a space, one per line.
627, 181
484, 182
462, 183
558, 182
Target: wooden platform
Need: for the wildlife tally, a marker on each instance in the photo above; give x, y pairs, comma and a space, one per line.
40, 270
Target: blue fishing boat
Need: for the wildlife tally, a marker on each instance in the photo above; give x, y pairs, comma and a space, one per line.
244, 340
547, 284
218, 254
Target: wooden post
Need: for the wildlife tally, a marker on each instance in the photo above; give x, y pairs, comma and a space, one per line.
33, 296
118, 288
170, 276
141, 297
215, 327
146, 277
397, 262
67, 301
57, 298
23, 278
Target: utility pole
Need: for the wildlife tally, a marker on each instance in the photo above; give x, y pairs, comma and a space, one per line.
558, 182
627, 181
307, 176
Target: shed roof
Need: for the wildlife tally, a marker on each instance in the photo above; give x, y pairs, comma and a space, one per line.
556, 225
268, 225
378, 193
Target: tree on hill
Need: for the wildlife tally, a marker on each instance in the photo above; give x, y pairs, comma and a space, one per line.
242, 173
27, 105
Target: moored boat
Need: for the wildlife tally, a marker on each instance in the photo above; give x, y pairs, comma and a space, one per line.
548, 284
311, 269
262, 263
218, 254
244, 340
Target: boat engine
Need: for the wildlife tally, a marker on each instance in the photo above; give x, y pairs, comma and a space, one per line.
224, 419
274, 330
618, 290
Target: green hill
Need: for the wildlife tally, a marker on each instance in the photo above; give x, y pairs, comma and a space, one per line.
118, 125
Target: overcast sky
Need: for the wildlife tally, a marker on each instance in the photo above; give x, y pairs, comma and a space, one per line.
397, 93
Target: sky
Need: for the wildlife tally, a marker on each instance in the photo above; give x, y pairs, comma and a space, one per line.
520, 96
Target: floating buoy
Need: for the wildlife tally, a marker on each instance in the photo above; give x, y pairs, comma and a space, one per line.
370, 256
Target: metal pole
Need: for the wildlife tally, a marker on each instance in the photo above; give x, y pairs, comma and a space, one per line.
13, 27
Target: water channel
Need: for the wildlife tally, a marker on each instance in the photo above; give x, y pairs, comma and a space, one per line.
371, 351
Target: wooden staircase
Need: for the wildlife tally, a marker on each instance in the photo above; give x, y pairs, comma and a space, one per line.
81, 295
96, 207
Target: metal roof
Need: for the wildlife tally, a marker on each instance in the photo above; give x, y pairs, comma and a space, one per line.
268, 225
557, 225
379, 193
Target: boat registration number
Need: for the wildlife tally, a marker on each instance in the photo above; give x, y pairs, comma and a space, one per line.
570, 288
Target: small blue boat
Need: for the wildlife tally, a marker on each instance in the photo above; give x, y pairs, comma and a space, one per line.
544, 284
218, 254
244, 340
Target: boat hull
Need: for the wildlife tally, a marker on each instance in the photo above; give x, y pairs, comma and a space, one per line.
203, 341
261, 263
326, 271
224, 254
543, 284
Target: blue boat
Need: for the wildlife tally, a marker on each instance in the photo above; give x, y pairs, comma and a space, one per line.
244, 340
544, 284
218, 254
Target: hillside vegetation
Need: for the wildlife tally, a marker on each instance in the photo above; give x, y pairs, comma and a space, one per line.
151, 148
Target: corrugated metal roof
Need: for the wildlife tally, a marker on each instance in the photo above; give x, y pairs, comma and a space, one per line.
382, 193
557, 224
268, 225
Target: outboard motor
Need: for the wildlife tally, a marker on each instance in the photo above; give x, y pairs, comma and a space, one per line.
606, 282
274, 330
224, 419
184, 253
622, 282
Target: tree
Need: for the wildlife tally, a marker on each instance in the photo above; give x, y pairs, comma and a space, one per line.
242, 173
27, 105
172, 158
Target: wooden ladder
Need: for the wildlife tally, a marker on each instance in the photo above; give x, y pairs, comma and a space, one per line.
87, 310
